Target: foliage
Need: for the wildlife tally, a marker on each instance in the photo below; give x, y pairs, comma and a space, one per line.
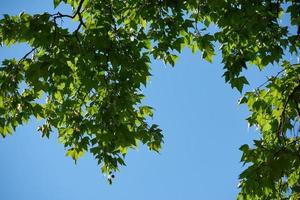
86, 82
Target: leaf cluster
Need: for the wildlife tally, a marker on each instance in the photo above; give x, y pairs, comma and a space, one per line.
86, 83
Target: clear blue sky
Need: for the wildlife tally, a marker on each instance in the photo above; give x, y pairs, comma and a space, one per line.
202, 124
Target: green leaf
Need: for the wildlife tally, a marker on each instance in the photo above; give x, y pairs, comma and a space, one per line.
75, 153
56, 3
58, 96
239, 83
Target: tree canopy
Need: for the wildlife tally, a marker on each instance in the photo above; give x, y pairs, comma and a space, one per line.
85, 82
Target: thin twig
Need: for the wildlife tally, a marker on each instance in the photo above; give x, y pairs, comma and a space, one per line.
77, 13
27, 54
269, 79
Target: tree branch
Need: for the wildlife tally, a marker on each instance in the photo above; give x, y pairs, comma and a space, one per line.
77, 13
282, 116
27, 54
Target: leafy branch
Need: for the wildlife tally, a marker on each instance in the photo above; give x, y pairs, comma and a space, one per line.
282, 116
78, 13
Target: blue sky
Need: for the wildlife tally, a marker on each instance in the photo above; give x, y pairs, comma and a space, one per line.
202, 123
